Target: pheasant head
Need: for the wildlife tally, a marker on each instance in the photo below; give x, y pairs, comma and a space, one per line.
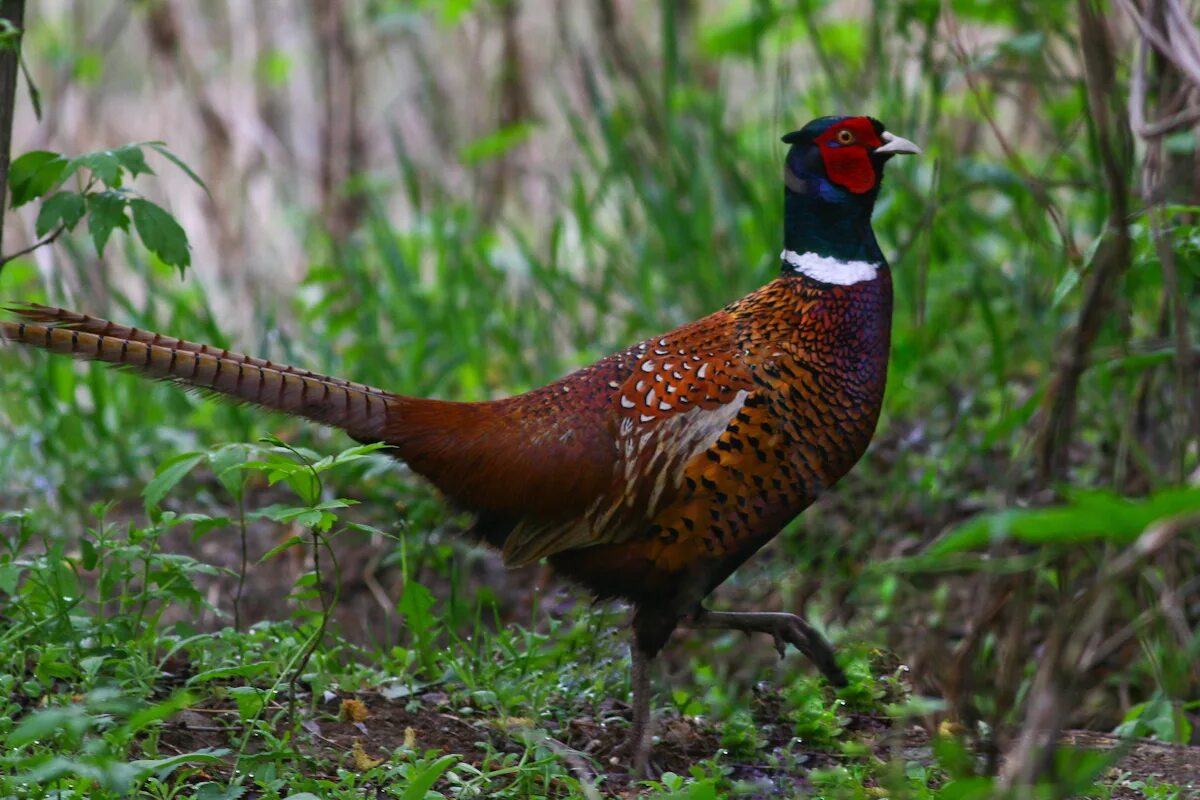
831, 179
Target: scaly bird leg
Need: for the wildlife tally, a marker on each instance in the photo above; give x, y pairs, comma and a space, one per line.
636, 746
784, 628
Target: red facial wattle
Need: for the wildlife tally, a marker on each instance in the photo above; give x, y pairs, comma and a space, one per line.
848, 163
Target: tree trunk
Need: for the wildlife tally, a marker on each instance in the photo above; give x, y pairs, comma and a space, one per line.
10, 65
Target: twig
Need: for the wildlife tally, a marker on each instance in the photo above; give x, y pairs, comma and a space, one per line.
1015, 162
1137, 84
245, 558
1181, 45
1066, 651
1181, 48
48, 240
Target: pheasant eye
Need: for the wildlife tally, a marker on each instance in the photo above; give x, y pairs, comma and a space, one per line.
845, 137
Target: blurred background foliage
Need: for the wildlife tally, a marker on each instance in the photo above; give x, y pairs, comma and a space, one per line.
468, 199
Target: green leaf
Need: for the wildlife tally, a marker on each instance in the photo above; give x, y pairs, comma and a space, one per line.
161, 234
132, 158
161, 149
42, 725
215, 791
10, 576
249, 700
246, 671
33, 174
292, 541
1089, 516
104, 164
496, 143
170, 473
415, 604
227, 463
65, 208
88, 556
106, 211
423, 781
147, 716
740, 37
162, 767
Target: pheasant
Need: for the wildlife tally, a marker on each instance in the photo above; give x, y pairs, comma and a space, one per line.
654, 473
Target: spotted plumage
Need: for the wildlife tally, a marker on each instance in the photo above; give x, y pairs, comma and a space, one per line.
653, 473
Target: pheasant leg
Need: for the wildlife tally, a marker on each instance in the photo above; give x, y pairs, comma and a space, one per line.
636, 746
784, 628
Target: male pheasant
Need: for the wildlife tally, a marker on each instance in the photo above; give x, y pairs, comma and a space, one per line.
653, 473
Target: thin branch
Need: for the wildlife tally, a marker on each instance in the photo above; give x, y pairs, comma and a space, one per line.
1035, 187
48, 240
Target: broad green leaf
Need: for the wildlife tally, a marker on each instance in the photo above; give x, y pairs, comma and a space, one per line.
65, 208
106, 211
215, 791
423, 781
221, 673
33, 174
42, 725
249, 700
170, 473
145, 717
104, 164
415, 603
133, 159
1089, 516
227, 463
162, 767
161, 234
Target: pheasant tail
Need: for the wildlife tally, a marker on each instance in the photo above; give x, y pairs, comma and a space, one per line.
360, 410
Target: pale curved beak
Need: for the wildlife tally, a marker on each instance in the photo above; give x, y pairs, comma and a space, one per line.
895, 144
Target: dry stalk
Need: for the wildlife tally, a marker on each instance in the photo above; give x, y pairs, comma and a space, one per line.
1112, 258
1070, 649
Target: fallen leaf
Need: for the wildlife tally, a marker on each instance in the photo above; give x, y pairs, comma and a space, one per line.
354, 710
362, 761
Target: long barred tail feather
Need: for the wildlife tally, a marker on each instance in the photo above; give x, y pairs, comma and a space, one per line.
360, 410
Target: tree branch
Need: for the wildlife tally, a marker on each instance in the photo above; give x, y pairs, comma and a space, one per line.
48, 240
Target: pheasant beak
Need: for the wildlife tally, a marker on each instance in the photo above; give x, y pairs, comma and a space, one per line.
894, 145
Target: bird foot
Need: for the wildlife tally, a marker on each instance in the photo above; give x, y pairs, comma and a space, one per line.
783, 628
634, 753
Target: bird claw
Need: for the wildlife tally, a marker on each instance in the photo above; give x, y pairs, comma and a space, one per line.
788, 630
780, 644
784, 629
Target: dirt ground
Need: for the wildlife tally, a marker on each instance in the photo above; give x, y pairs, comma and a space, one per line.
590, 744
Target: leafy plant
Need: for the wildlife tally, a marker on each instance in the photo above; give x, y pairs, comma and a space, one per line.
101, 194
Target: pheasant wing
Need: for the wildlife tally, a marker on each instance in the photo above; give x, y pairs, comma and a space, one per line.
680, 394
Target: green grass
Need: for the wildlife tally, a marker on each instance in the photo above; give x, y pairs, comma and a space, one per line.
100, 689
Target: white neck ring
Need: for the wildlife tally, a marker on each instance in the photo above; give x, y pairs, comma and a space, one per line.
830, 270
